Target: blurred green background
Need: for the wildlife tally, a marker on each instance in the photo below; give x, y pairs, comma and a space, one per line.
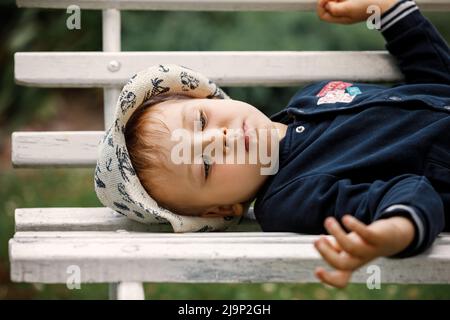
26, 108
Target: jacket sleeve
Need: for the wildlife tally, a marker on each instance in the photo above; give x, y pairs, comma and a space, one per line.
422, 54
303, 204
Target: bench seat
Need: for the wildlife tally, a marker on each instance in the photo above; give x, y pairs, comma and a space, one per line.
122, 253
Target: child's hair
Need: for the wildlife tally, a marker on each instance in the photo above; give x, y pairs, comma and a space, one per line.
142, 135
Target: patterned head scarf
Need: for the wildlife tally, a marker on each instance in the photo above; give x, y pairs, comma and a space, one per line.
116, 183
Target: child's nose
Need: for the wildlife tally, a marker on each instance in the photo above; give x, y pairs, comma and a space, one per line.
222, 136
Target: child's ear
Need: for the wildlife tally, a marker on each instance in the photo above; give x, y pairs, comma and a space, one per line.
236, 210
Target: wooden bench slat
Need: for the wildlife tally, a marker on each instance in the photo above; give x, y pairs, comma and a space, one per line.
202, 5
171, 237
97, 219
177, 5
208, 258
55, 149
226, 68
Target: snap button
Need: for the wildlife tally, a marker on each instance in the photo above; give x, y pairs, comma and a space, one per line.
395, 98
300, 129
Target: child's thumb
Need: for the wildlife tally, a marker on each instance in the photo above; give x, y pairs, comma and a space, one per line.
338, 9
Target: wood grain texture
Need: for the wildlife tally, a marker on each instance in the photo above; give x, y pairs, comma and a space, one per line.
55, 149
226, 68
203, 5
208, 257
98, 219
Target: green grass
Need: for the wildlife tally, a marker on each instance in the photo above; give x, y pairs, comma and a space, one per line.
23, 188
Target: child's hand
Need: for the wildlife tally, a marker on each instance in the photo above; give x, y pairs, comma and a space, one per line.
348, 251
349, 11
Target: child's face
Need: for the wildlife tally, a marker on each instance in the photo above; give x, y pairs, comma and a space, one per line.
229, 182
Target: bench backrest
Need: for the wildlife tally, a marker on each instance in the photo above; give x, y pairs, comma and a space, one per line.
111, 68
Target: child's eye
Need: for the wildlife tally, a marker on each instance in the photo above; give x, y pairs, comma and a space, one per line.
207, 164
203, 119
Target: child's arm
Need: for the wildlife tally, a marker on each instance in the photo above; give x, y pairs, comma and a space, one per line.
412, 219
389, 207
422, 54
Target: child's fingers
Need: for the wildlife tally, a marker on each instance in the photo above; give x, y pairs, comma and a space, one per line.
321, 3
360, 228
326, 16
335, 244
347, 243
337, 278
332, 242
338, 9
342, 260
321, 8
324, 13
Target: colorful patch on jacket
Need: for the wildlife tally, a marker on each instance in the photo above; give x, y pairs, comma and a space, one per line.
333, 85
353, 91
337, 91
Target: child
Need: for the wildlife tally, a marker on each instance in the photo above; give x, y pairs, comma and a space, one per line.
376, 158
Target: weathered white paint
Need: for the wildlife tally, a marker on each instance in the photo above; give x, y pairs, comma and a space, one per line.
210, 257
111, 28
203, 5
192, 237
98, 219
169, 237
55, 149
226, 68
126, 291
79, 219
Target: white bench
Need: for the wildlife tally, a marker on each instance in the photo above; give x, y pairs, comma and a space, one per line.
109, 248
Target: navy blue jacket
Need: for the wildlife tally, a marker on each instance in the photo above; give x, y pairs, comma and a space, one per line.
368, 150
